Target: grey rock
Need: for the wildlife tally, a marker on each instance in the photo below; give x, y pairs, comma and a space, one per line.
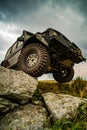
16, 85
61, 105
27, 117
6, 105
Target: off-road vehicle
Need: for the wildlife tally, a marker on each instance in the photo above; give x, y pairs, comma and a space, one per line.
46, 52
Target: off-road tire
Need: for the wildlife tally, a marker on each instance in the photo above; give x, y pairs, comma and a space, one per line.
43, 61
63, 79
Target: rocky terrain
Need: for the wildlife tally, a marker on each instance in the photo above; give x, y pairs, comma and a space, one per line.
20, 110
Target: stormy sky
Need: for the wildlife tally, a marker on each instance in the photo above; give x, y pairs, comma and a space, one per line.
67, 16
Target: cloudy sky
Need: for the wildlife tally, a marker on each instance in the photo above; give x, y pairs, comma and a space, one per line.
66, 16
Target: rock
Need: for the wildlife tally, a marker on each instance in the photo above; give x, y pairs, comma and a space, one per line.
6, 105
16, 85
61, 105
27, 117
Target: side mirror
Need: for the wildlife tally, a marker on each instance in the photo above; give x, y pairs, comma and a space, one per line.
20, 39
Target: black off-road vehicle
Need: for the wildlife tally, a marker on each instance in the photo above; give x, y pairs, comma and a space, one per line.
46, 52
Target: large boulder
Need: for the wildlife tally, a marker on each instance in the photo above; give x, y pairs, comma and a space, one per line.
61, 105
16, 85
27, 117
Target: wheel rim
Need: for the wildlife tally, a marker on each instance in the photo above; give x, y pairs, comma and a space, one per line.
63, 73
32, 60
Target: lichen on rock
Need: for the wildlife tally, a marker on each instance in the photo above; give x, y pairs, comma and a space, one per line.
61, 105
27, 117
16, 85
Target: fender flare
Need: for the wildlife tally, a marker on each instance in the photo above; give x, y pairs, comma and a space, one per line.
36, 38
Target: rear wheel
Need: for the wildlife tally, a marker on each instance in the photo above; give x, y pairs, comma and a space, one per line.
64, 75
34, 59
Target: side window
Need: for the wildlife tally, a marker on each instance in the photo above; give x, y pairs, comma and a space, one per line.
8, 52
19, 43
14, 47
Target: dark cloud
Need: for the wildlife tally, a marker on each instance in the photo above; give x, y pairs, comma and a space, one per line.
80, 5
11, 10
83, 7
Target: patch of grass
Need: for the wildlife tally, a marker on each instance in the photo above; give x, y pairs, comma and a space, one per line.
79, 122
78, 87
48, 86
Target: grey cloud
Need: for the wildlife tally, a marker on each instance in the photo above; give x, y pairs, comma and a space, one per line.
3, 43
2, 55
80, 5
11, 10
83, 7
15, 10
83, 47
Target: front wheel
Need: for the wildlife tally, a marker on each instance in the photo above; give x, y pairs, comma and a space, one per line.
34, 59
64, 75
